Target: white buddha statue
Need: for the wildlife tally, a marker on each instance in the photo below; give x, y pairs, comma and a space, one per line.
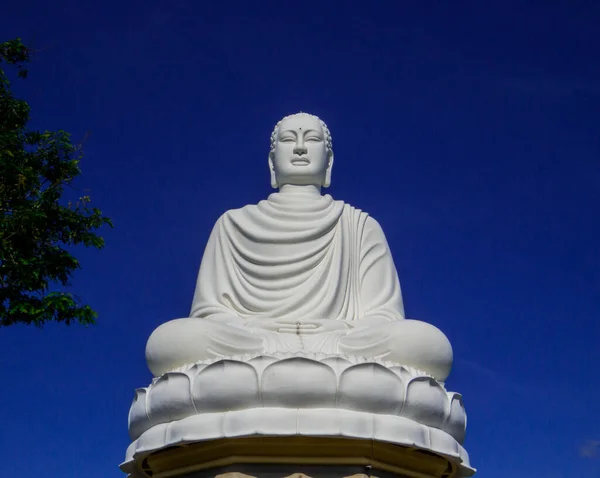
298, 272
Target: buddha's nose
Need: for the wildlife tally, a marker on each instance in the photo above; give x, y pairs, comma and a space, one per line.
300, 148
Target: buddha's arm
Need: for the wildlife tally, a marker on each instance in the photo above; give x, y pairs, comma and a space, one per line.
211, 283
379, 285
215, 293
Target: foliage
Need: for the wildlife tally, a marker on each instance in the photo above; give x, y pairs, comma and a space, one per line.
36, 228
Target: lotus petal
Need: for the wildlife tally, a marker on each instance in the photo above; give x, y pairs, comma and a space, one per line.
456, 423
370, 387
139, 421
226, 385
402, 372
261, 362
299, 383
338, 364
426, 402
170, 399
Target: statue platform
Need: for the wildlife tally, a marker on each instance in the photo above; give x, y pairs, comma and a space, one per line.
312, 410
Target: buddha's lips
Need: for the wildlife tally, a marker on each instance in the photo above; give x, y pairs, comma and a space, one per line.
300, 161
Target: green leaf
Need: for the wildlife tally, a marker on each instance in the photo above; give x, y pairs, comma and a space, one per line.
37, 231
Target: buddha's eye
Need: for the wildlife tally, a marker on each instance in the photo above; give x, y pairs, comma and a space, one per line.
313, 139
287, 139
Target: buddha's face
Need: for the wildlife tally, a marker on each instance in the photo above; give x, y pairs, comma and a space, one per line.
301, 156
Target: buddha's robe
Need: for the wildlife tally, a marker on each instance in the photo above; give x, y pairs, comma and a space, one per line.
292, 257
295, 258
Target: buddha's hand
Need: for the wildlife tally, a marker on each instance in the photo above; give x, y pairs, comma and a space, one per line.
296, 326
319, 326
265, 323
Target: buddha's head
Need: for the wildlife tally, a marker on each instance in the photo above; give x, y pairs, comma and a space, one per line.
301, 152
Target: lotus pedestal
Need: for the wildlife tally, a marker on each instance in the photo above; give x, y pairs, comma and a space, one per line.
277, 416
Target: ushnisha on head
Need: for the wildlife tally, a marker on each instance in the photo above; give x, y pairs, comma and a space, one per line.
301, 153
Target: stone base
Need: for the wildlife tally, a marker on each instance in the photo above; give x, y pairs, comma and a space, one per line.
270, 457
297, 410
295, 471
270, 429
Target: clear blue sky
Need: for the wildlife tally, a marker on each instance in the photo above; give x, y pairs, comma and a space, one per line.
468, 129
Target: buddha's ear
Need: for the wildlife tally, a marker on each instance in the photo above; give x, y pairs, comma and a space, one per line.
272, 171
327, 181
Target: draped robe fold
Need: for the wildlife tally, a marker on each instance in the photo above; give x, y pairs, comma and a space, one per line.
297, 257
318, 264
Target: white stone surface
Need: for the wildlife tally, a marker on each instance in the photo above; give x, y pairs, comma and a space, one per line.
293, 422
297, 327
294, 381
298, 272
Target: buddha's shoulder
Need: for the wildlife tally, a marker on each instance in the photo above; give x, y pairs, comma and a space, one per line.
238, 213
369, 223
265, 207
359, 212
